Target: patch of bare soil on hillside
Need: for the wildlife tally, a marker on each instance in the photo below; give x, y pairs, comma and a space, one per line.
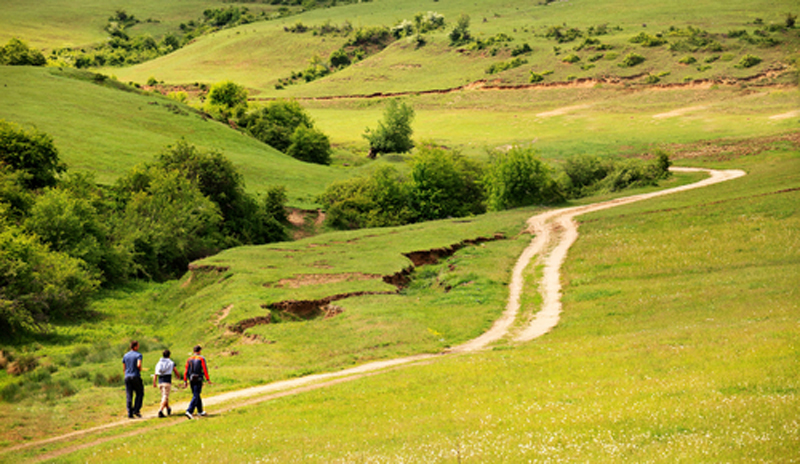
722, 150
305, 280
789, 115
678, 112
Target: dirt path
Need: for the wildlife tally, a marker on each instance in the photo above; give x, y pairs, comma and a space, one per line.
553, 230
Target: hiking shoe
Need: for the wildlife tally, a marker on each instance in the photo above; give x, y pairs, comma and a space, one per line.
169, 411
189, 415
202, 414
161, 414
130, 416
137, 415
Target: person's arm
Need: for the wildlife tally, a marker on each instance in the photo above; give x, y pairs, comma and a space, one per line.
177, 374
205, 370
124, 368
155, 376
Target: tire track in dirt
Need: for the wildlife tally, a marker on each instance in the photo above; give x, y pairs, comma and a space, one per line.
554, 230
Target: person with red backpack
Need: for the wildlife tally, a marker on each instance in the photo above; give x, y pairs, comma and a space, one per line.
194, 373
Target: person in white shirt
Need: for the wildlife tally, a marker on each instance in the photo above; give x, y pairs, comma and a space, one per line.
163, 375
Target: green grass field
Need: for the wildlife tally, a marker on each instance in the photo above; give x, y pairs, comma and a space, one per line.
678, 341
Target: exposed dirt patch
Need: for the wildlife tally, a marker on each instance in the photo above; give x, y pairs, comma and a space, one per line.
224, 313
730, 149
678, 112
421, 258
789, 115
304, 280
305, 223
562, 111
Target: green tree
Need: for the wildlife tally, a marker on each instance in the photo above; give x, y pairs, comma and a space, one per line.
445, 184
17, 53
460, 33
227, 99
15, 199
393, 134
31, 152
378, 200
275, 123
517, 178
310, 145
37, 284
171, 223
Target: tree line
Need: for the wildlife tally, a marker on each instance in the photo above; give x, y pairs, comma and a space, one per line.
64, 236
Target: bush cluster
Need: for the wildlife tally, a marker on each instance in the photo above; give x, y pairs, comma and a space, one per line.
505, 65
62, 237
284, 125
18, 53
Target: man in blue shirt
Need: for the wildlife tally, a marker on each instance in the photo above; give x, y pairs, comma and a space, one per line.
133, 380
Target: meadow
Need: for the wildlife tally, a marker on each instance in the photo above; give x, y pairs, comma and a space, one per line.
678, 341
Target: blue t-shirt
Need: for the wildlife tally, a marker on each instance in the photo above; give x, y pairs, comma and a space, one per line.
131, 361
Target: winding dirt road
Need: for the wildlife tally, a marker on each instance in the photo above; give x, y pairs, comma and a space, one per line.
553, 234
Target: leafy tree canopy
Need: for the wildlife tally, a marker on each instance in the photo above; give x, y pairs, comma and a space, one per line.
31, 152
393, 134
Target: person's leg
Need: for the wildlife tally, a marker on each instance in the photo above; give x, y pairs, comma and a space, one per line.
197, 389
129, 396
195, 397
139, 387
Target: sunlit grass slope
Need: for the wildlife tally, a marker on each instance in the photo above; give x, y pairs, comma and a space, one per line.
108, 131
446, 304
257, 54
564, 122
52, 24
678, 343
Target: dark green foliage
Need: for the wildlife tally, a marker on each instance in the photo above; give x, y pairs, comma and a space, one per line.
30, 152
562, 34
243, 221
583, 172
37, 284
505, 65
339, 59
445, 184
587, 174
748, 61
632, 59
521, 50
517, 178
790, 20
393, 134
378, 200
571, 58
227, 99
371, 36
647, 40
68, 221
15, 199
17, 53
310, 145
275, 203
169, 222
275, 123
688, 59
460, 33
535, 77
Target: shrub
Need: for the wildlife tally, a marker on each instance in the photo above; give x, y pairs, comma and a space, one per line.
37, 284
275, 123
748, 61
519, 178
647, 40
445, 184
571, 58
23, 364
339, 59
561, 34
535, 77
688, 59
393, 134
31, 152
227, 98
310, 145
632, 59
521, 50
652, 79
17, 53
378, 200
505, 65
460, 33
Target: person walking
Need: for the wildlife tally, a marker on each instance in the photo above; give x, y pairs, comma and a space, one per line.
194, 373
163, 375
132, 361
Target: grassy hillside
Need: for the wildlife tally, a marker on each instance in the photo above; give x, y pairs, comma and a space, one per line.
258, 54
105, 130
678, 342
